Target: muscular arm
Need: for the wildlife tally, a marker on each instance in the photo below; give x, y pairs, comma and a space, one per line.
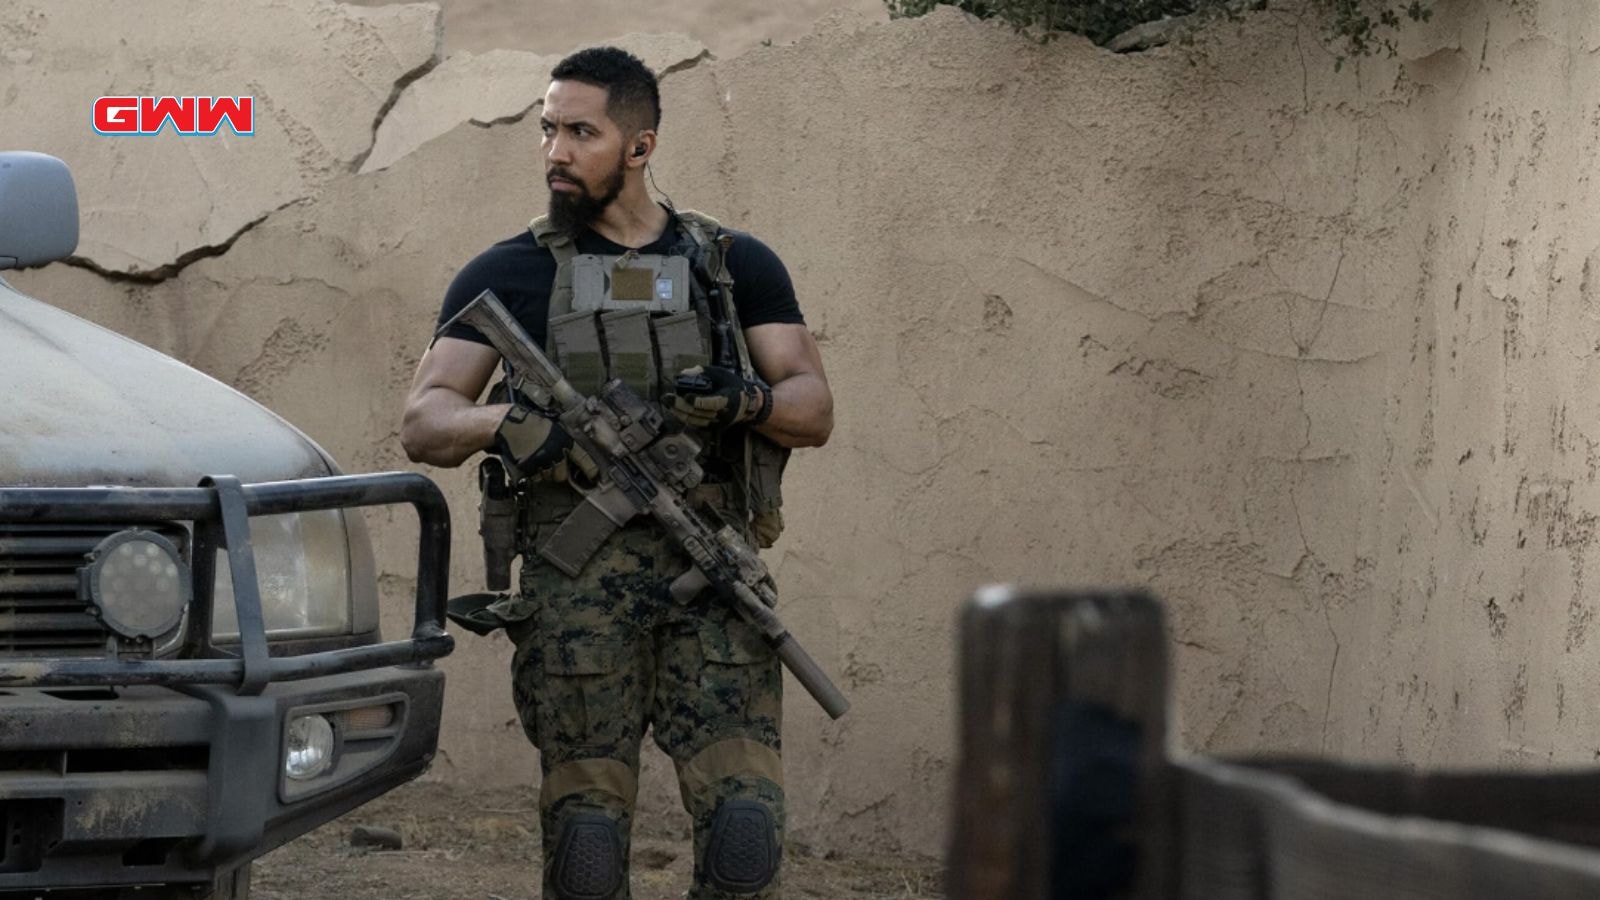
802, 405
443, 425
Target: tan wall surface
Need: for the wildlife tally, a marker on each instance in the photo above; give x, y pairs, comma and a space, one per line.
1304, 350
727, 27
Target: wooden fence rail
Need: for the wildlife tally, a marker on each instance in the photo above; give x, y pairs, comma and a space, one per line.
1067, 788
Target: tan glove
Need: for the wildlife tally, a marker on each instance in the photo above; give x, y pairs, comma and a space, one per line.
529, 443
717, 397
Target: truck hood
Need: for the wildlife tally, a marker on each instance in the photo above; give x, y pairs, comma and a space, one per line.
81, 405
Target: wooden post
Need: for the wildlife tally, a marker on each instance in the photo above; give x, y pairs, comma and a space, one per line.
1064, 789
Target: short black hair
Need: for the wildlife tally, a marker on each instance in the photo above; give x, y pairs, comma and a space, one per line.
633, 99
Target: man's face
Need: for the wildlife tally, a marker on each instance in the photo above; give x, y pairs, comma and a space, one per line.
583, 153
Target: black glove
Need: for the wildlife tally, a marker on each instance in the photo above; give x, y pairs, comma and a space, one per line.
529, 443
715, 397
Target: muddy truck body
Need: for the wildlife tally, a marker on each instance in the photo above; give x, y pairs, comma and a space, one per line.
191, 671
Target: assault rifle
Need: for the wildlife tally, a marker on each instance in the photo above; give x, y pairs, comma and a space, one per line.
645, 468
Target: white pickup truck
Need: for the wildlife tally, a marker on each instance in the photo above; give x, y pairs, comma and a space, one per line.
190, 667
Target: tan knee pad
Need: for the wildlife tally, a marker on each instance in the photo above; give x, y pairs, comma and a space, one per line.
609, 776
728, 758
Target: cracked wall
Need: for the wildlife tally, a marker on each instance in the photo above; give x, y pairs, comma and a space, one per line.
727, 27
1304, 350
321, 74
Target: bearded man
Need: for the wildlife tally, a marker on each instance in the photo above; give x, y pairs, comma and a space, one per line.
703, 320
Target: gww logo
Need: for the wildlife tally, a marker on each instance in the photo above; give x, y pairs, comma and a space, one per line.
188, 115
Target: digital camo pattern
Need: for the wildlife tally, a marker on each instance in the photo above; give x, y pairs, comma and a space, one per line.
604, 656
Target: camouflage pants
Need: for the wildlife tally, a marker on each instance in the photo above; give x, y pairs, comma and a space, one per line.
605, 656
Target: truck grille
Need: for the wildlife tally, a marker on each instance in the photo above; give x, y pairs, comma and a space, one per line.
40, 612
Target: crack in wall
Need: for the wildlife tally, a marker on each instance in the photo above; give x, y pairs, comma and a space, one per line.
1304, 350
683, 65
1305, 72
401, 85
510, 119
1327, 301
172, 269
1327, 618
207, 251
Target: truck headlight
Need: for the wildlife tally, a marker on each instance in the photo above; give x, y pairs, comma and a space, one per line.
303, 567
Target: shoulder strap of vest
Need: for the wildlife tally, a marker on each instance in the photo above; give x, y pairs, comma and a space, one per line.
708, 234
561, 246
702, 228
558, 242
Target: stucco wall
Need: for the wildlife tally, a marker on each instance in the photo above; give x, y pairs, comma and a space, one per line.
726, 27
1304, 350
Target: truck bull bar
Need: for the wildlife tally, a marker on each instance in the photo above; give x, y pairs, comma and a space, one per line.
220, 509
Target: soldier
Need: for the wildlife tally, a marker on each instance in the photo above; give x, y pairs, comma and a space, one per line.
704, 320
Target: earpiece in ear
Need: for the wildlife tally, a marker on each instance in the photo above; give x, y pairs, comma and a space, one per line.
638, 149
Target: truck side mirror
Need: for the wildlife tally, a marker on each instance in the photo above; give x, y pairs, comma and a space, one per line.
38, 210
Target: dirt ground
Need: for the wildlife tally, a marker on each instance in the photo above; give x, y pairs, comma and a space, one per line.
481, 845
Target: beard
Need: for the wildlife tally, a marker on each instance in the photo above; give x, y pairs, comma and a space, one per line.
571, 212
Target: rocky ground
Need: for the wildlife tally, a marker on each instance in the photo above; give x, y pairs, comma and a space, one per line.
482, 845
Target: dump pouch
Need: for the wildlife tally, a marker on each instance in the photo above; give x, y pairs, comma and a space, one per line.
630, 356
473, 612
767, 461
576, 349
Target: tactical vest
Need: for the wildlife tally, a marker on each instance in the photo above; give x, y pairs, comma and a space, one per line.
644, 319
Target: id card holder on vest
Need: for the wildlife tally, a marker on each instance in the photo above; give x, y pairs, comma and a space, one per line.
654, 283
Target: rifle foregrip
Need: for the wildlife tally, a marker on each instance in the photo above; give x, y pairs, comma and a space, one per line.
811, 676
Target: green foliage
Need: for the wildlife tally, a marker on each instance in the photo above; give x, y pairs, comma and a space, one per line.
1354, 27
1365, 26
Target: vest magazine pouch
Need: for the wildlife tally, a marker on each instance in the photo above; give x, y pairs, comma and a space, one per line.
680, 342
576, 345
632, 359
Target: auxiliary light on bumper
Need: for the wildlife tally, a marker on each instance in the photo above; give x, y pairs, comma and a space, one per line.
137, 583
308, 750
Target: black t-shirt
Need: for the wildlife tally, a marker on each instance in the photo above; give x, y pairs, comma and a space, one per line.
521, 274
